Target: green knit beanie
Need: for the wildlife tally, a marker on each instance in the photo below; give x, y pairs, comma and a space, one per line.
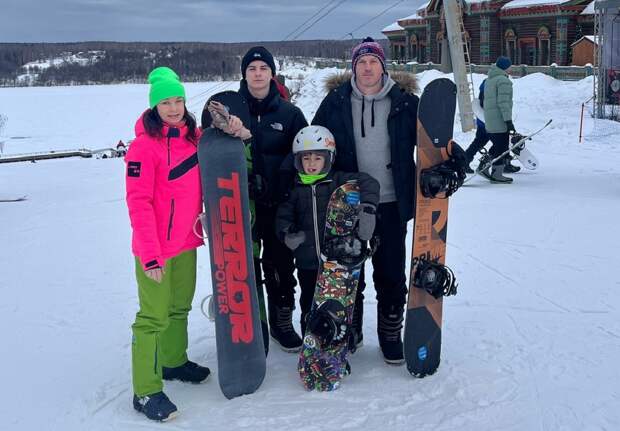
165, 83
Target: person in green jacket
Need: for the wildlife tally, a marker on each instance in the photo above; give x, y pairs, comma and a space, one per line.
498, 116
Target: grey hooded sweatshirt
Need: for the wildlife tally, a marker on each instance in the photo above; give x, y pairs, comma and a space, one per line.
372, 140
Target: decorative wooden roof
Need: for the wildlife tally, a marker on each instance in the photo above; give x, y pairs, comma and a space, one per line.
521, 8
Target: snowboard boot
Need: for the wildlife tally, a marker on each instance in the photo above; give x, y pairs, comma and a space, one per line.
189, 372
281, 328
356, 326
497, 176
468, 169
156, 407
509, 168
389, 326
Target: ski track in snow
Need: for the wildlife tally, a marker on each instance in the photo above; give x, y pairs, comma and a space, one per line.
529, 343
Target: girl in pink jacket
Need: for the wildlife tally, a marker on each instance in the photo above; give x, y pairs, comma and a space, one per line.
164, 198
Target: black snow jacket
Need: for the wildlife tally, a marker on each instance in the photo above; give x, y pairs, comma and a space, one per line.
335, 114
274, 124
306, 209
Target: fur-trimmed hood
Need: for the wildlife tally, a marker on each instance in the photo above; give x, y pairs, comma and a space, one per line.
405, 80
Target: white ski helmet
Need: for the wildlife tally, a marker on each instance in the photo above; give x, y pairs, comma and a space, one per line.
316, 139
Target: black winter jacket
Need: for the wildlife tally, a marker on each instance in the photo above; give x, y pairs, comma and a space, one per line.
335, 114
306, 209
274, 124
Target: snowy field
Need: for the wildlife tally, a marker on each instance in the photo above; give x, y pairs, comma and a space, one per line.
531, 342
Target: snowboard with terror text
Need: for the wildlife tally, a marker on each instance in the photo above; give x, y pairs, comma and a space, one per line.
237, 106
422, 339
323, 360
240, 349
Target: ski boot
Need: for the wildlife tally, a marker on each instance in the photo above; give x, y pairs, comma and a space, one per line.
509, 168
281, 328
389, 326
189, 372
156, 407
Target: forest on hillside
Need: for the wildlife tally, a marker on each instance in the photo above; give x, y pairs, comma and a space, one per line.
113, 62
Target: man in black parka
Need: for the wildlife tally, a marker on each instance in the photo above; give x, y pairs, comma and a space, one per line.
274, 124
373, 120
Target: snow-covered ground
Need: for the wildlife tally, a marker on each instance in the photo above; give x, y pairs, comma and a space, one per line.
531, 342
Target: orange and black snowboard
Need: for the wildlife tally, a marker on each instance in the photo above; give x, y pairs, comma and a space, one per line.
430, 280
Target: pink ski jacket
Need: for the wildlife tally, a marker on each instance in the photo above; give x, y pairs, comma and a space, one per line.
164, 195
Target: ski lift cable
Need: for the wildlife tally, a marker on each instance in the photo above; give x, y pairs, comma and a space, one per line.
320, 18
309, 19
371, 19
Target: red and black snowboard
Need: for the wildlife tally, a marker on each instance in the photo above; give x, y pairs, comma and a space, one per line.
436, 179
240, 348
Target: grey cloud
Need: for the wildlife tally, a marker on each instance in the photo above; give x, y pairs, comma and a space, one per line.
187, 20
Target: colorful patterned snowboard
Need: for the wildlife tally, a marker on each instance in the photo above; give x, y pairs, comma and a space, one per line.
323, 359
422, 338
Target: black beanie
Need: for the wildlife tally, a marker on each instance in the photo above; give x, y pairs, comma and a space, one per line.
258, 53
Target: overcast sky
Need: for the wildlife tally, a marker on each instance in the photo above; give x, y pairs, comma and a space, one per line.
190, 20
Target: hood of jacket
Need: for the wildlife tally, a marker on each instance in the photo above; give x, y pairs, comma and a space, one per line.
388, 83
495, 71
405, 80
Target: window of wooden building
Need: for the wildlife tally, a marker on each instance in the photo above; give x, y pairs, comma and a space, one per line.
510, 38
414, 47
544, 46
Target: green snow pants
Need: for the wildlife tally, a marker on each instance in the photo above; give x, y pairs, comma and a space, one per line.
160, 329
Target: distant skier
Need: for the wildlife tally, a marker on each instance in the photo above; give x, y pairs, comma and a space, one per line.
498, 116
164, 198
482, 138
302, 217
121, 149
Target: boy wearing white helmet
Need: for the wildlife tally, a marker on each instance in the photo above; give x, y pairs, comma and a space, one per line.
300, 221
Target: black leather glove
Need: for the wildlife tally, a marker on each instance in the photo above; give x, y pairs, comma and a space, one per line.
511, 127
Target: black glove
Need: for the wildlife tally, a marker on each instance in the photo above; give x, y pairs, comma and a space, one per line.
294, 240
511, 127
366, 221
257, 187
459, 157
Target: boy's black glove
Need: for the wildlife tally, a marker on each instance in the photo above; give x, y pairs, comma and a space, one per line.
367, 220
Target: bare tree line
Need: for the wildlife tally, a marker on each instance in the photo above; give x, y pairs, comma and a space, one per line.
131, 61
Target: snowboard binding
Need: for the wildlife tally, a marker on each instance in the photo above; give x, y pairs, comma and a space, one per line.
443, 178
435, 278
514, 139
328, 322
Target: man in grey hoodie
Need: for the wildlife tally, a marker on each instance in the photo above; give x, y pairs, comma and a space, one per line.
373, 120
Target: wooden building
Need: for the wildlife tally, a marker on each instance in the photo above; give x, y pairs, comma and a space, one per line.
583, 51
532, 32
